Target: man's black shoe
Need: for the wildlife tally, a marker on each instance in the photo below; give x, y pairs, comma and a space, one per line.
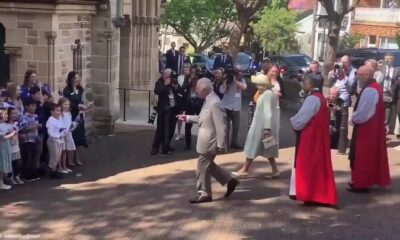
170, 149
231, 187
153, 152
55, 175
187, 148
200, 199
236, 147
293, 197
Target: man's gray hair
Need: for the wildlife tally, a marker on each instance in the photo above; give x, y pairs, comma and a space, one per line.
205, 83
168, 70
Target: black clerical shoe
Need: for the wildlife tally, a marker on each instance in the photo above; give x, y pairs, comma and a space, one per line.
200, 199
153, 152
187, 148
232, 184
358, 190
235, 146
293, 197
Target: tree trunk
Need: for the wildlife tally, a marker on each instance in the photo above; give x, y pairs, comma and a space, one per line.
234, 40
331, 48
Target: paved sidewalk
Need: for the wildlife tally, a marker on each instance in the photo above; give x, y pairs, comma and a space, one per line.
125, 194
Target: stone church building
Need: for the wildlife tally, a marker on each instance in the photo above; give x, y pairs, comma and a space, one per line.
111, 43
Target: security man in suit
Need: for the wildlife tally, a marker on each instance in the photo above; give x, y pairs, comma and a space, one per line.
223, 60
391, 87
172, 58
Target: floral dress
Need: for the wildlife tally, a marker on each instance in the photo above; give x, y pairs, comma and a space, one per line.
5, 148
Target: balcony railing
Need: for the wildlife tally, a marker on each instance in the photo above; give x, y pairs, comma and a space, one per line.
382, 15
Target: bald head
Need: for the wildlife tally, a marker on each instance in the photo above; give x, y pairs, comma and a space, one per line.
365, 73
203, 87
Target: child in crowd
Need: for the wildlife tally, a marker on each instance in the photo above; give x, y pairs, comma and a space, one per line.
55, 143
70, 148
15, 96
15, 177
45, 113
4, 95
6, 133
29, 139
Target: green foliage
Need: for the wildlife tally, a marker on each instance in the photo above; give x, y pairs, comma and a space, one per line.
200, 22
278, 4
349, 41
276, 29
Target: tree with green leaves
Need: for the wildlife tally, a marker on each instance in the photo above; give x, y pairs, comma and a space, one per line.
200, 22
335, 19
246, 11
277, 30
349, 41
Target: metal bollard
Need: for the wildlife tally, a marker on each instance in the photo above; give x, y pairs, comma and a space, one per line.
251, 113
342, 145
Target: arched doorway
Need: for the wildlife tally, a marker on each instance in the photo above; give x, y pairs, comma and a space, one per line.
4, 60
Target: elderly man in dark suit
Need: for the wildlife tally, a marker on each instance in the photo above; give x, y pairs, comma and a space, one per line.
391, 87
172, 58
212, 138
223, 60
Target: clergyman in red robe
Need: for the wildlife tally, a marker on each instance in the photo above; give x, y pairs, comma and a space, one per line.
368, 151
312, 180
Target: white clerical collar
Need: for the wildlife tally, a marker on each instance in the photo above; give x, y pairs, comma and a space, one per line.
314, 90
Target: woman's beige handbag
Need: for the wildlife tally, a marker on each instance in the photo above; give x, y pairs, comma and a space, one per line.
269, 142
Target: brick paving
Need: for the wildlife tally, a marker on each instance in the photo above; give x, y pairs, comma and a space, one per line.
124, 193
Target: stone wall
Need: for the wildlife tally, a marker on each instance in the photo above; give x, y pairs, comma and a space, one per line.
27, 34
70, 28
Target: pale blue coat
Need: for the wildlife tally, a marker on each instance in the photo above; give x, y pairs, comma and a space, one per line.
266, 116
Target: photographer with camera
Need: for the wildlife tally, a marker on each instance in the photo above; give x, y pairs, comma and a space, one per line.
391, 90
344, 78
167, 109
234, 84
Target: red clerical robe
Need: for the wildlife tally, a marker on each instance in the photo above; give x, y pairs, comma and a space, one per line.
314, 178
369, 157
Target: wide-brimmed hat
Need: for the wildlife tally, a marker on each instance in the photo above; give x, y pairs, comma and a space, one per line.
260, 79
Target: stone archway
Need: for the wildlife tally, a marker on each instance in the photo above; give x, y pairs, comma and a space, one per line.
4, 58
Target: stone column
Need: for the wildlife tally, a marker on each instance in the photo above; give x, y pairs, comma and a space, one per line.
51, 37
108, 36
144, 49
14, 53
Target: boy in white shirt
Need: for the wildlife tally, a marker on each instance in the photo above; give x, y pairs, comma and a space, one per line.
57, 132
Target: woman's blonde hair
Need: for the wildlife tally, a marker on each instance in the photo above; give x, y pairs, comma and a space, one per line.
62, 100
3, 112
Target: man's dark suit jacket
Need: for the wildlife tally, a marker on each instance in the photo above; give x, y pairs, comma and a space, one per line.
172, 61
395, 83
218, 61
163, 92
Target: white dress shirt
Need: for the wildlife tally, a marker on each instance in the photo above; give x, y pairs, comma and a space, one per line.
307, 111
366, 107
56, 129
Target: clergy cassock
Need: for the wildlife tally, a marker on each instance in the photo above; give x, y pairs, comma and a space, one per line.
312, 175
368, 151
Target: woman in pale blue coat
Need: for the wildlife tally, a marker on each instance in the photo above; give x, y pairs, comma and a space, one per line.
265, 124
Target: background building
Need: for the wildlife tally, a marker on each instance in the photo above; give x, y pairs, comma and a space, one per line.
111, 43
378, 23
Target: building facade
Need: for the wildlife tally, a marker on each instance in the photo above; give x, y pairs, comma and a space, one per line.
377, 21
111, 43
